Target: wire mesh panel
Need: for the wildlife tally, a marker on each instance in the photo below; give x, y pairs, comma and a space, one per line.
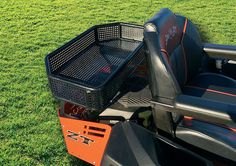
90, 69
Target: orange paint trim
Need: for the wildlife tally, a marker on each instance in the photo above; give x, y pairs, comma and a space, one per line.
232, 129
188, 118
213, 91
185, 25
85, 140
185, 61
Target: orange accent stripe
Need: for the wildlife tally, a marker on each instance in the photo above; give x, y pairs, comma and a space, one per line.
185, 61
224, 126
213, 91
188, 118
185, 25
232, 129
223, 93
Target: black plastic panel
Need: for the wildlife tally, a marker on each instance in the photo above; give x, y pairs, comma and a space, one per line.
130, 144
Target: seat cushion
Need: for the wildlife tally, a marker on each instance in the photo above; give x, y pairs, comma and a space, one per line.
212, 86
213, 138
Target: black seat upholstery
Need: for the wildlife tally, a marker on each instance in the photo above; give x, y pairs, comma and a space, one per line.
212, 86
180, 49
178, 65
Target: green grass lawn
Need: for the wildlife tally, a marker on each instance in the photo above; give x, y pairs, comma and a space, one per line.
30, 132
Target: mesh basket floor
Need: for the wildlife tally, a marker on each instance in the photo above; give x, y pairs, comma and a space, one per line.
94, 66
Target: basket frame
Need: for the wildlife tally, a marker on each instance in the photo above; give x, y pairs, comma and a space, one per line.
98, 90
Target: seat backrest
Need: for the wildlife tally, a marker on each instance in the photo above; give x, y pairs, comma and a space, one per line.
174, 53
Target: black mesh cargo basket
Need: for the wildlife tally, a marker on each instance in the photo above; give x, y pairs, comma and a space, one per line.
90, 69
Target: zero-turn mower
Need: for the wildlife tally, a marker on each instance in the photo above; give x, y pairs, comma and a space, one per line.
146, 95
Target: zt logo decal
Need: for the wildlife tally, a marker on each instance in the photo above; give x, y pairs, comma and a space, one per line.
86, 140
75, 136
72, 135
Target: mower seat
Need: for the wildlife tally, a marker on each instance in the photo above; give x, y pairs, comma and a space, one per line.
182, 85
212, 86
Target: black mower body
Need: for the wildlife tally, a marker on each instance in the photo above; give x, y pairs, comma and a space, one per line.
130, 144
